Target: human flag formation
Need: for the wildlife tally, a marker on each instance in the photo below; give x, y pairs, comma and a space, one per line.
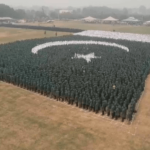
100, 71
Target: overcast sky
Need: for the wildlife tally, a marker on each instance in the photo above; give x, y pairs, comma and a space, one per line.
78, 3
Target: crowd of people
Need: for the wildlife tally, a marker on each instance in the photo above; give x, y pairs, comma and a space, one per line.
111, 84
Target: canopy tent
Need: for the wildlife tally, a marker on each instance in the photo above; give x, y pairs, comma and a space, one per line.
6, 19
147, 23
90, 19
131, 20
110, 20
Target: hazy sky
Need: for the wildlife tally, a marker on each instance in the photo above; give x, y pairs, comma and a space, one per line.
78, 3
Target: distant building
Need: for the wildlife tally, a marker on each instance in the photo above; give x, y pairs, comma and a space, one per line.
22, 21
65, 11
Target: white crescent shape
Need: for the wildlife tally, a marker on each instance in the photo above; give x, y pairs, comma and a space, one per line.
59, 43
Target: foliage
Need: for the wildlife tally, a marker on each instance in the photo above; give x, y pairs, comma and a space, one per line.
112, 84
140, 13
6, 11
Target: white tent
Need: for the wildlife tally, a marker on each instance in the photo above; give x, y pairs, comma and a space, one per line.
6, 19
89, 19
110, 20
147, 23
131, 19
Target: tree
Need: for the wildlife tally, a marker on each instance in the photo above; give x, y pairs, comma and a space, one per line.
54, 15
142, 10
21, 14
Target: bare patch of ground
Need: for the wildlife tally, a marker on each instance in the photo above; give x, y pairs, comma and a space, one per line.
91, 26
12, 34
29, 121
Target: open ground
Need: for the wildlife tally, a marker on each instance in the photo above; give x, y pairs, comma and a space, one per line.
91, 26
29, 121
11, 34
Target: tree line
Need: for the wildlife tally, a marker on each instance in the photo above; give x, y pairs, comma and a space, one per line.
141, 13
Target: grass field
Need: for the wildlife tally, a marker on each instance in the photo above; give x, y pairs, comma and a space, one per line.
11, 34
29, 121
88, 26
